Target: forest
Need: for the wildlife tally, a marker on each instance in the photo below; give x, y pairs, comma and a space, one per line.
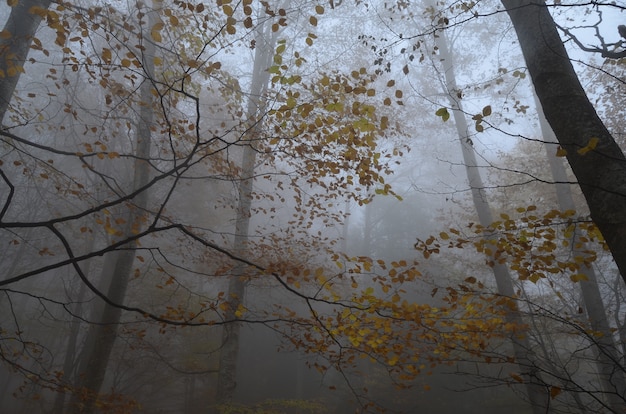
312, 207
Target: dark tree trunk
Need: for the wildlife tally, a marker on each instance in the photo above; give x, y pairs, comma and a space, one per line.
21, 25
601, 172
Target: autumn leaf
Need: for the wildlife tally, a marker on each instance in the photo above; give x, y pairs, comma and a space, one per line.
591, 145
578, 277
155, 32
443, 113
106, 55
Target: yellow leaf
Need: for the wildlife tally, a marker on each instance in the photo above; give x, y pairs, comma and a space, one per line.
39, 11
593, 142
384, 122
12, 3
313, 20
444, 235
319, 275
561, 152
319, 9
516, 377
393, 360
125, 63
5, 34
156, 36
157, 27
578, 277
106, 55
240, 310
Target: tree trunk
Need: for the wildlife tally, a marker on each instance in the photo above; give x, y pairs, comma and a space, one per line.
227, 374
611, 373
101, 337
70, 358
14, 49
601, 172
529, 371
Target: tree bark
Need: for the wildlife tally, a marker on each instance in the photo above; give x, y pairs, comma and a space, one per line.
14, 49
529, 371
601, 172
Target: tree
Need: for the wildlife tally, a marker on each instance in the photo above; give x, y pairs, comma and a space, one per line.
265, 41
18, 34
524, 356
611, 377
328, 132
597, 161
118, 266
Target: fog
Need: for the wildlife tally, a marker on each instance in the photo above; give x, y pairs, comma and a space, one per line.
299, 207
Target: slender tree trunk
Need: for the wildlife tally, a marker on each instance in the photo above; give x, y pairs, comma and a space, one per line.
227, 373
601, 172
609, 366
101, 337
535, 389
367, 231
345, 228
69, 362
14, 49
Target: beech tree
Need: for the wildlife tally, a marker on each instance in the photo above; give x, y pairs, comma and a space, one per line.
596, 159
